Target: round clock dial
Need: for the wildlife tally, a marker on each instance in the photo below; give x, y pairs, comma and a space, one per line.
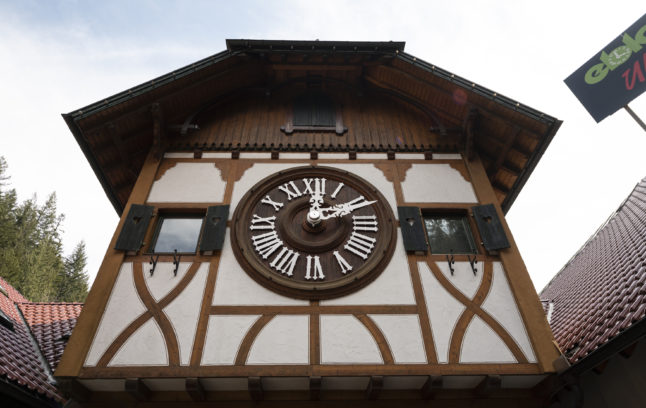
313, 232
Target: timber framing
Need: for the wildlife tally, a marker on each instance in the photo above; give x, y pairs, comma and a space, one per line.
263, 68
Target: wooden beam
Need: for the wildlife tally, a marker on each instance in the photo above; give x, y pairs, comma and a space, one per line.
315, 388
431, 387
375, 386
469, 133
194, 389
511, 136
137, 389
315, 67
488, 385
255, 388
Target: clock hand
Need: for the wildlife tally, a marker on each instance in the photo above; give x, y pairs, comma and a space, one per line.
340, 210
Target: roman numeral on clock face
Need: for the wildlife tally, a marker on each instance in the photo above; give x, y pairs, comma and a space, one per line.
266, 243
336, 190
285, 261
364, 223
291, 190
262, 223
360, 245
315, 271
319, 186
343, 264
267, 200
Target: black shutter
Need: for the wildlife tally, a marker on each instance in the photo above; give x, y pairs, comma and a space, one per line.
215, 226
410, 223
134, 228
491, 230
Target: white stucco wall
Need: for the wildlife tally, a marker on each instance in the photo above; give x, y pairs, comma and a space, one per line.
189, 182
345, 340
284, 340
436, 183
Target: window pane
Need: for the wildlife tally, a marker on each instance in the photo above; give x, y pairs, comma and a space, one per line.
449, 234
179, 234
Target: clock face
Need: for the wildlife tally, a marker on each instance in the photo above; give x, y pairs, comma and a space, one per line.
313, 232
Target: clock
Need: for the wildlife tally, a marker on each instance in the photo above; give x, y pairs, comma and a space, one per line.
313, 232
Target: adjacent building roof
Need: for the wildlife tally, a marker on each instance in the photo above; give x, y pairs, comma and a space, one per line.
21, 365
115, 135
601, 292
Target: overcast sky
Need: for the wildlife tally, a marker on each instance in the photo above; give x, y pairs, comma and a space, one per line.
58, 56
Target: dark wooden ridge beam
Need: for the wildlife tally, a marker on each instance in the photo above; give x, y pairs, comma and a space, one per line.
255, 388
137, 389
432, 386
375, 385
194, 389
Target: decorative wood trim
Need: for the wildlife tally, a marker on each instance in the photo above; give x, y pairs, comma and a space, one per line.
143, 318
306, 370
137, 389
158, 314
493, 323
79, 343
313, 309
315, 388
520, 283
73, 389
166, 165
467, 315
461, 168
247, 342
197, 207
420, 301
202, 323
380, 339
255, 388
488, 385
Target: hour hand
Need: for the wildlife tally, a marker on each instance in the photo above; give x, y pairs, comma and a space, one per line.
340, 210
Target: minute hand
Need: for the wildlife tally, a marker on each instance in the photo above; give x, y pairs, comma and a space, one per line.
340, 210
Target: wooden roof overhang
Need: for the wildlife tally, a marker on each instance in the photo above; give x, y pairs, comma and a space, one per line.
116, 133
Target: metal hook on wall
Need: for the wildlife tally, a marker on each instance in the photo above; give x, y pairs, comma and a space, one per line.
153, 262
176, 259
451, 261
473, 262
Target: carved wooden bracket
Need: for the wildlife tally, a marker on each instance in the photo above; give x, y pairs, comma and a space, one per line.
468, 131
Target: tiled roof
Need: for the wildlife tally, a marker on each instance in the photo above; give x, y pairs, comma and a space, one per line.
602, 290
19, 360
51, 324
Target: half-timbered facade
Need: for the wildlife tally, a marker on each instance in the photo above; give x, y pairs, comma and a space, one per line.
305, 221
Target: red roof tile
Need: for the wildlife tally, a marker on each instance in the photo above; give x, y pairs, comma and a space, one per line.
49, 322
602, 290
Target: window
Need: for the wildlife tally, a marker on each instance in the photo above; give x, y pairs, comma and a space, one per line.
449, 234
177, 233
314, 112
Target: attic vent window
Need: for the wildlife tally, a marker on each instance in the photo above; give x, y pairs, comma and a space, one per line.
314, 112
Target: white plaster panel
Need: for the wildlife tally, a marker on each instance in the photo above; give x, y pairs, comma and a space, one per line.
374, 176
223, 337
234, 287
443, 311
463, 278
190, 183
372, 156
284, 340
404, 336
410, 156
184, 312
447, 156
146, 346
178, 155
500, 304
404, 382
392, 287
482, 345
345, 340
216, 155
292, 156
255, 155
253, 175
436, 183
123, 307
335, 156
163, 279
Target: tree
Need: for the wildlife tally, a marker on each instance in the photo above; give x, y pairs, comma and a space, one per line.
72, 284
31, 249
